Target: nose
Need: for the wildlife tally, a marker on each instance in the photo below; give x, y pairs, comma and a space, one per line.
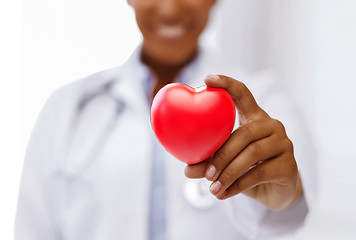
170, 11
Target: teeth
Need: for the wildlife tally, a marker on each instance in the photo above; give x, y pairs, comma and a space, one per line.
170, 31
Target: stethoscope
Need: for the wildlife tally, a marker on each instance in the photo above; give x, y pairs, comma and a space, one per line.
80, 153
195, 191
105, 90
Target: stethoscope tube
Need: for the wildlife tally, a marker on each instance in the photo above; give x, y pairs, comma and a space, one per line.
76, 163
196, 192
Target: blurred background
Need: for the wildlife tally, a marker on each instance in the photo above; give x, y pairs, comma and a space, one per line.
311, 44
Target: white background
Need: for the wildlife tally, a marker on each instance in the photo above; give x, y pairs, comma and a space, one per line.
10, 152
310, 43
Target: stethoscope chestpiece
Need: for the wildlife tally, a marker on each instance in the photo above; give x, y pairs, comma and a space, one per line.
196, 192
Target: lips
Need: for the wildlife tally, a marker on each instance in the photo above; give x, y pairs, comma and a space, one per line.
171, 31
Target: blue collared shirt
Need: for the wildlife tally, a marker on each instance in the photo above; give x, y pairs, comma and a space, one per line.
158, 191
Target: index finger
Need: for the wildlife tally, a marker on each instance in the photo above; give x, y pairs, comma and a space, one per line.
244, 101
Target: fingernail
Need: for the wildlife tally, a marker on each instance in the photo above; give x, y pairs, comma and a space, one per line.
210, 172
222, 195
215, 187
213, 77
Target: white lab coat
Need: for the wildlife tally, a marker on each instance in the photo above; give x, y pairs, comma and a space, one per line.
86, 175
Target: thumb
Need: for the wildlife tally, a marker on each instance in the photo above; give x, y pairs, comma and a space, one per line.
244, 101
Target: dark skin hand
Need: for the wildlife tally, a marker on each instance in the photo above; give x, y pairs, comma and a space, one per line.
256, 160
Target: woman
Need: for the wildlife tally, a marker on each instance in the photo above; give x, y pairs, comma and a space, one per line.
94, 170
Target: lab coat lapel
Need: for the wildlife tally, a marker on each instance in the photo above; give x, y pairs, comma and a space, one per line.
138, 158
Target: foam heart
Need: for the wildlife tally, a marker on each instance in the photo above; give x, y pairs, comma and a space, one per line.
192, 124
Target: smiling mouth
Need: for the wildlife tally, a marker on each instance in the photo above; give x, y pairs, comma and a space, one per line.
171, 31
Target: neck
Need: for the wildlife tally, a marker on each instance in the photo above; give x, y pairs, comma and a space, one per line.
166, 71
163, 72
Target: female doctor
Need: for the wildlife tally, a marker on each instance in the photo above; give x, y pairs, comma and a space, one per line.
93, 169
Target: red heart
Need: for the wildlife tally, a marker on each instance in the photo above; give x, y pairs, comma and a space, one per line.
192, 124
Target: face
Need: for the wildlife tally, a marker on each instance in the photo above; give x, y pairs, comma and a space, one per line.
171, 28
